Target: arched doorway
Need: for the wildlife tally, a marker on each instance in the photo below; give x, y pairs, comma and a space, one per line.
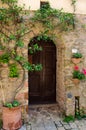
42, 85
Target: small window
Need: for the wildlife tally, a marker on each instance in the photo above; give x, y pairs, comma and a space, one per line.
43, 3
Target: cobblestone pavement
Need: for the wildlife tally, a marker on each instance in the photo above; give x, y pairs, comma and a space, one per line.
49, 118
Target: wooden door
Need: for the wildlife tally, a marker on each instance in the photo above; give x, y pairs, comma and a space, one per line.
43, 84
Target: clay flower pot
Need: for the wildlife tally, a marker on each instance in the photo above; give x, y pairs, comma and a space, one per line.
4, 64
13, 79
11, 118
1, 52
76, 81
76, 60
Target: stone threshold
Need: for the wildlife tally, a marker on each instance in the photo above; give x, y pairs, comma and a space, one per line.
43, 105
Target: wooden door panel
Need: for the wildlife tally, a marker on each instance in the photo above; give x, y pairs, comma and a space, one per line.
49, 85
43, 84
35, 84
48, 59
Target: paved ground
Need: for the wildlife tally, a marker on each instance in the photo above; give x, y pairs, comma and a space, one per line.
49, 118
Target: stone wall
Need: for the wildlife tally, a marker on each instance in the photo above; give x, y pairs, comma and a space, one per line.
75, 40
65, 89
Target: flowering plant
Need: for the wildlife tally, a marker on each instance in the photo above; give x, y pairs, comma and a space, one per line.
77, 55
79, 74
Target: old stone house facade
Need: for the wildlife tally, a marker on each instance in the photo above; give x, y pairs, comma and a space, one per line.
66, 91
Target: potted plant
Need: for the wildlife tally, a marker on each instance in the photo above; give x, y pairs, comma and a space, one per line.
11, 113
78, 75
76, 57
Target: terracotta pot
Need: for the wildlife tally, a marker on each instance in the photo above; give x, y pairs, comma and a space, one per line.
76, 60
1, 52
11, 118
76, 81
13, 79
4, 64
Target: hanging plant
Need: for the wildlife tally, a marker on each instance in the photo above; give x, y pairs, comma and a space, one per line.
78, 75
76, 58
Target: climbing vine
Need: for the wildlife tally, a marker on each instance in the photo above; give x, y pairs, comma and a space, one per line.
52, 18
14, 28
73, 3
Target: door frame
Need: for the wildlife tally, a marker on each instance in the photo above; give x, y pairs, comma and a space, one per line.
48, 44
60, 55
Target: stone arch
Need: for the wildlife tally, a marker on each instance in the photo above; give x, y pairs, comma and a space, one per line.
60, 54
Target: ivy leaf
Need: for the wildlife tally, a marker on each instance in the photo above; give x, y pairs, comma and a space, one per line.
28, 66
38, 67
20, 43
19, 58
12, 37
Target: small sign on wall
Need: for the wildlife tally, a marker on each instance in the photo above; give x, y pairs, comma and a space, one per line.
74, 50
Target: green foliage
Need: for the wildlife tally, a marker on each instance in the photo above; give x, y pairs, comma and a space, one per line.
73, 3
43, 36
32, 67
19, 58
10, 14
12, 37
69, 118
13, 16
1, 47
4, 58
15, 103
3, 14
34, 48
80, 114
14, 72
66, 19
46, 16
79, 75
77, 55
9, 1
77, 115
37, 67
9, 105
20, 43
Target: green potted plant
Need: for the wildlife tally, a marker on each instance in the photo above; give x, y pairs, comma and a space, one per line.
78, 75
76, 57
11, 113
